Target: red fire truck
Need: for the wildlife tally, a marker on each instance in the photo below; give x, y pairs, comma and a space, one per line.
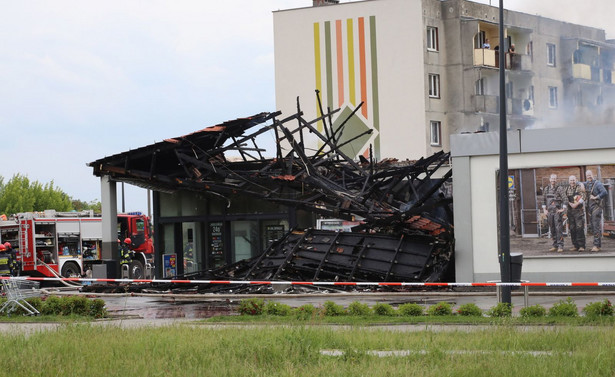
67, 244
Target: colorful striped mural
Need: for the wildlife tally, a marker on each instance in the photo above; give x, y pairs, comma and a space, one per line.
346, 74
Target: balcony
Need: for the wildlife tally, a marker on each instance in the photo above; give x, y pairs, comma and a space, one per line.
490, 104
486, 104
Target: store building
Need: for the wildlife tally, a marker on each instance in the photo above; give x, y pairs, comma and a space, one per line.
202, 226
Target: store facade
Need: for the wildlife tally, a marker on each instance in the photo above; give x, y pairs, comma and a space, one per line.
205, 232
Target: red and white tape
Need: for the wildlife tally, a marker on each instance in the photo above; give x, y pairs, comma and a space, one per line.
331, 283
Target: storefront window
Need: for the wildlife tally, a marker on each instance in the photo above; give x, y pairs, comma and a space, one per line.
169, 254
217, 206
192, 240
182, 203
192, 204
244, 239
272, 231
169, 205
246, 204
168, 240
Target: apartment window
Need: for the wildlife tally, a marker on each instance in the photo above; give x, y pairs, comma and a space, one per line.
432, 38
531, 93
436, 133
551, 54
508, 88
553, 97
479, 87
434, 85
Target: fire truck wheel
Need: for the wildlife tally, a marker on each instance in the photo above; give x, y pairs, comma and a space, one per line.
71, 270
136, 270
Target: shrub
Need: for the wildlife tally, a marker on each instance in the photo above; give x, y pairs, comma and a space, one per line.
599, 309
502, 309
470, 310
441, 308
359, 309
564, 308
75, 305
97, 308
251, 306
306, 311
533, 311
277, 308
332, 309
383, 309
52, 306
410, 310
70, 305
36, 303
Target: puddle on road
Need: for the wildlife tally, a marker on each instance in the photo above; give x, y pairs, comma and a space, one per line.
160, 310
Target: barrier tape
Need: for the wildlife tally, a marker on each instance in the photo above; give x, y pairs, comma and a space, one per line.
331, 283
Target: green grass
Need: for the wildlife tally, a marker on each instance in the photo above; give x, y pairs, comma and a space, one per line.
16, 318
295, 350
449, 319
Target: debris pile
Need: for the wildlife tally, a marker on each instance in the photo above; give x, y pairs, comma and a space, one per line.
404, 207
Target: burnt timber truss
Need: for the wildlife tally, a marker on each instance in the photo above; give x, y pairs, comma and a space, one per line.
406, 231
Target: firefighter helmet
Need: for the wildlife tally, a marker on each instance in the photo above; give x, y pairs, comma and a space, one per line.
128, 240
7, 245
2, 247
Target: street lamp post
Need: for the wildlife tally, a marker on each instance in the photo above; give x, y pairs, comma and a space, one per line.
504, 250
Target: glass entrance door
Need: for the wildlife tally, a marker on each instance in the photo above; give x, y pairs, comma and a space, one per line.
244, 240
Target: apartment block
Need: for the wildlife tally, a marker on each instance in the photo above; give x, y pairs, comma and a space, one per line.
425, 69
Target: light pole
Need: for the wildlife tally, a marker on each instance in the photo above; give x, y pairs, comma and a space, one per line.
504, 256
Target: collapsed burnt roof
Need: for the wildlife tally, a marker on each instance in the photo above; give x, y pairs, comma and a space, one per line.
397, 201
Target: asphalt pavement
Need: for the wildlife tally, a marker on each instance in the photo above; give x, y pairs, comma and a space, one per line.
193, 306
131, 310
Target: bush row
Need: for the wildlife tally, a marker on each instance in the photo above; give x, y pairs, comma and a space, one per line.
563, 308
63, 306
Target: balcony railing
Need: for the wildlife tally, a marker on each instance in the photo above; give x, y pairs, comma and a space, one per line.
518, 62
486, 104
491, 58
491, 104
587, 72
484, 57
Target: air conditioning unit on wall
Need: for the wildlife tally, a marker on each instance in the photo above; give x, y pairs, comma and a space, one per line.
528, 107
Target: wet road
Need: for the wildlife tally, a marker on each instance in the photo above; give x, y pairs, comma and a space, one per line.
138, 310
197, 306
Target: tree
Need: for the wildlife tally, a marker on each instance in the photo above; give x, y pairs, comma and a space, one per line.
21, 195
80, 205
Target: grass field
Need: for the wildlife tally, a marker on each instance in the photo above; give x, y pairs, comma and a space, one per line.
306, 350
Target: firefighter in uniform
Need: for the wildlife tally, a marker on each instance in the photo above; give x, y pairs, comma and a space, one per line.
189, 257
575, 194
14, 264
554, 205
595, 193
5, 261
126, 254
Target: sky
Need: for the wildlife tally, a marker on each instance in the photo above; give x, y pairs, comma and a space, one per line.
82, 80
